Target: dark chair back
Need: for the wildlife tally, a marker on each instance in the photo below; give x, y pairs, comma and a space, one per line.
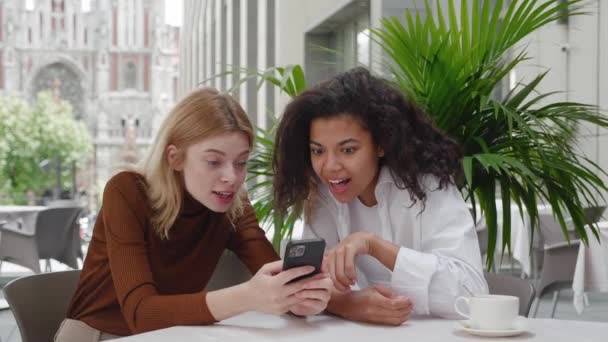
58, 235
39, 303
229, 271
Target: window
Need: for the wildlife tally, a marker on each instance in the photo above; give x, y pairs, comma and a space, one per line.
130, 76
85, 6
29, 5
363, 53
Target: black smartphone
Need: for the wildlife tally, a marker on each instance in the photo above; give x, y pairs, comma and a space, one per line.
307, 252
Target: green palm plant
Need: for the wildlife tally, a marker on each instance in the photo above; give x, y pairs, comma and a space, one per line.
520, 148
291, 81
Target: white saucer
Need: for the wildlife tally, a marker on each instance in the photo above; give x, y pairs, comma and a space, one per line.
520, 326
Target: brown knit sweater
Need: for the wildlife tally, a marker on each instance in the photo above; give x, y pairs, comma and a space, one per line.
132, 281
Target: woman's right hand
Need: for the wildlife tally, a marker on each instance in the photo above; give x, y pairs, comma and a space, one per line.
375, 304
268, 291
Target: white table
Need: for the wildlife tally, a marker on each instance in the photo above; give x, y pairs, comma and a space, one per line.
19, 216
591, 272
259, 327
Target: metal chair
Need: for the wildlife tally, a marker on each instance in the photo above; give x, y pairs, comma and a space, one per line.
559, 256
229, 271
39, 303
54, 235
509, 285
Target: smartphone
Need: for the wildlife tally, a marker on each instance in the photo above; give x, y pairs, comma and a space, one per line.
307, 252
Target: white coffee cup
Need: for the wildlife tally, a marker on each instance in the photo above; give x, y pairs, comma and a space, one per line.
489, 312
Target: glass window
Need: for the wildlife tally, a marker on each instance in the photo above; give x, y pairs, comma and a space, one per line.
130, 75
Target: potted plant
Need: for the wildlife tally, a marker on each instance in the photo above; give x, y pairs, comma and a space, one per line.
520, 148
291, 81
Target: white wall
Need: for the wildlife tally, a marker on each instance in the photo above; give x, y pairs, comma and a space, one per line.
576, 56
293, 19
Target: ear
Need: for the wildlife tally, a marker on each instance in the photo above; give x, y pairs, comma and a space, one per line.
174, 158
380, 152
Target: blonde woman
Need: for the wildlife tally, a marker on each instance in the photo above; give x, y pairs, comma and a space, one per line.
162, 229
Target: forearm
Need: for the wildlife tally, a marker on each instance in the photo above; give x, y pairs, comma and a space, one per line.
338, 304
385, 251
229, 302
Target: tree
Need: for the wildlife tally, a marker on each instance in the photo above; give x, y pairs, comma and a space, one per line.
33, 135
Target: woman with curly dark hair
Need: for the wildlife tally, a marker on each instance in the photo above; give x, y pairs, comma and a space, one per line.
376, 180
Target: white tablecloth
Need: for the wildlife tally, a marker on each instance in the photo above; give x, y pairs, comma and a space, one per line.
258, 327
520, 233
591, 272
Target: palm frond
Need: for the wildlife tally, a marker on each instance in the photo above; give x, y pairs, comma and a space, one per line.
521, 149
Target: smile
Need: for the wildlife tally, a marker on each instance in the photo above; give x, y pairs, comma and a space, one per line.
225, 194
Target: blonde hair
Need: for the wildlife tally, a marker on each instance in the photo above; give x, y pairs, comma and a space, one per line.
203, 113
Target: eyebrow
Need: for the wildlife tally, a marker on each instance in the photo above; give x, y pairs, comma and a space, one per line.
341, 143
212, 150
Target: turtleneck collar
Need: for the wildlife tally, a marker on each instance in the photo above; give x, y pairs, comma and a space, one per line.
191, 206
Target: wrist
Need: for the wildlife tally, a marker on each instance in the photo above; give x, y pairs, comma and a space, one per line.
246, 296
338, 304
372, 244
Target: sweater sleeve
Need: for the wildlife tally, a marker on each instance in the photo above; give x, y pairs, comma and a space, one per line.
248, 241
142, 306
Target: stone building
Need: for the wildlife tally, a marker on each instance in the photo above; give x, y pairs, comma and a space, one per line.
115, 61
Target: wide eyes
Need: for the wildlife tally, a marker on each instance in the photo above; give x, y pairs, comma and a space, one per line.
213, 163
316, 151
346, 150
242, 164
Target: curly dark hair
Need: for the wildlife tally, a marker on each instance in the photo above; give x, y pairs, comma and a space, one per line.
412, 146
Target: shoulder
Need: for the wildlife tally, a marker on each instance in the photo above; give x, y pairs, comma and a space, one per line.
322, 199
127, 184
430, 184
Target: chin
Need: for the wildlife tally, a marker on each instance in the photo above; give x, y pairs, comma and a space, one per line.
218, 208
210, 204
343, 199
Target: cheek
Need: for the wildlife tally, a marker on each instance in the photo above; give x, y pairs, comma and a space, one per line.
317, 165
242, 176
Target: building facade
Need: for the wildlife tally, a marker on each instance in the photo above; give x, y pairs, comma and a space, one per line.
330, 36
223, 42
115, 61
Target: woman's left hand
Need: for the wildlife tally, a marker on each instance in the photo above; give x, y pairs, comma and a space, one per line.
316, 295
340, 260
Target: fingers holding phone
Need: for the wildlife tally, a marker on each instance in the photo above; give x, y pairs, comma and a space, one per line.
268, 291
274, 287
314, 288
315, 295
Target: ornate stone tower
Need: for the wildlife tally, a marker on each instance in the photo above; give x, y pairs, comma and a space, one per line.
115, 61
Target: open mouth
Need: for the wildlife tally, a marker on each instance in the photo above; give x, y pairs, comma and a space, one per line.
339, 181
224, 196
339, 186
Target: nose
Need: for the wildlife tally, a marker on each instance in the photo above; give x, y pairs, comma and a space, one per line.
229, 175
332, 163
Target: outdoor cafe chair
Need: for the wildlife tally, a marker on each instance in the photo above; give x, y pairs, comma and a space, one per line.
39, 302
229, 271
55, 235
559, 256
503, 284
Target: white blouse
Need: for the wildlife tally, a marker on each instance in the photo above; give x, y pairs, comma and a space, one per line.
439, 258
